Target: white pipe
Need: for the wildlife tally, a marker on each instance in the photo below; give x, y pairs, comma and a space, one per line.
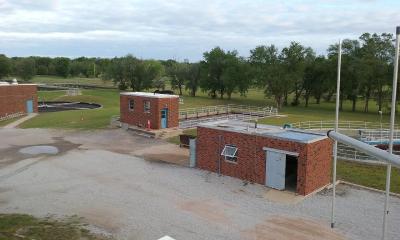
336, 129
366, 148
392, 118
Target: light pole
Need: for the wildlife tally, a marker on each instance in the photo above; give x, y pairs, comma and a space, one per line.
391, 132
336, 130
380, 121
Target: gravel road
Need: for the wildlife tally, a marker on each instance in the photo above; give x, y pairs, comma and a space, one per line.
96, 175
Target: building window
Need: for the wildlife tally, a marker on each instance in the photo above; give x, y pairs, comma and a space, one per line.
230, 153
146, 106
131, 105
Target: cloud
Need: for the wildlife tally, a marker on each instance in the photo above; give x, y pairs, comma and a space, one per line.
180, 29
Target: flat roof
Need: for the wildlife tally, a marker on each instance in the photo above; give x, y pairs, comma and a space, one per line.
22, 84
149, 94
269, 131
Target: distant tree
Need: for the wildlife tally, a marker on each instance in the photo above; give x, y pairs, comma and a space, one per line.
160, 83
144, 74
193, 80
376, 54
294, 60
179, 73
5, 66
268, 72
235, 76
25, 68
42, 65
213, 67
314, 82
62, 66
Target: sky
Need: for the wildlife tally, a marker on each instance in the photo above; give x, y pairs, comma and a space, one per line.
177, 29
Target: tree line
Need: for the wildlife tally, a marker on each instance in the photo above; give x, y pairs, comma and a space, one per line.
294, 72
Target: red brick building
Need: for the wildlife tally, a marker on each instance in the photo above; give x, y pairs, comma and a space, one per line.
279, 158
137, 108
17, 99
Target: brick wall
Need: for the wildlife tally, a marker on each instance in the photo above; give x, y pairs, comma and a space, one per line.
13, 98
138, 117
313, 161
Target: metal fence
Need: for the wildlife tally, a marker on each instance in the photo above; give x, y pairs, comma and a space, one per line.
191, 117
367, 130
348, 125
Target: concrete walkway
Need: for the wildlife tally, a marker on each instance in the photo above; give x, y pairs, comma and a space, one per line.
21, 120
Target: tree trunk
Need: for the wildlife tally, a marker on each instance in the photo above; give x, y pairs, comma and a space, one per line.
380, 93
180, 89
354, 100
285, 100
367, 96
229, 95
318, 99
193, 92
306, 98
341, 104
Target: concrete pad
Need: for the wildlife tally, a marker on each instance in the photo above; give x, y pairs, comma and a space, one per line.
285, 197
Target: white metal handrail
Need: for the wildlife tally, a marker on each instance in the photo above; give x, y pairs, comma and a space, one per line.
348, 125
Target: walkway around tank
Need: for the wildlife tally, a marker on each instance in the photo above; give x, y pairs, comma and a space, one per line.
16, 123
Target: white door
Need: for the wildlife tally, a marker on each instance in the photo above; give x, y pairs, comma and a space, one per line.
275, 170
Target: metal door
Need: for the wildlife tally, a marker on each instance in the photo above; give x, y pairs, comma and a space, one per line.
275, 170
29, 106
164, 118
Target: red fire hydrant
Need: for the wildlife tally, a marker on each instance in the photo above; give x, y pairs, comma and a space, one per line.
148, 124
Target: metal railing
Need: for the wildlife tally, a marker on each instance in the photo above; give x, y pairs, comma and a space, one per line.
191, 117
369, 131
348, 125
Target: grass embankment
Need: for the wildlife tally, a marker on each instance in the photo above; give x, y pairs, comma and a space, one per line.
21, 226
8, 121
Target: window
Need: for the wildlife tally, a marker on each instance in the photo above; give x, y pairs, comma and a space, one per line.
146, 106
131, 105
230, 152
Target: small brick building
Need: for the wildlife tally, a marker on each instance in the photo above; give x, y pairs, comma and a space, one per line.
278, 158
137, 108
17, 99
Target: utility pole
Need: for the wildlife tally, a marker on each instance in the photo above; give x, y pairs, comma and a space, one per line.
336, 130
391, 132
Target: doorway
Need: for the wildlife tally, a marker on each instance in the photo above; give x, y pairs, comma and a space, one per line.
29, 106
281, 169
164, 118
291, 173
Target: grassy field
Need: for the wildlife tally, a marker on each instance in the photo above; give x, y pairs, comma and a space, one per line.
78, 119
21, 226
99, 118
74, 80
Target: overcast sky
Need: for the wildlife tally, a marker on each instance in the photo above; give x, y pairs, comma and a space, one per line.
178, 29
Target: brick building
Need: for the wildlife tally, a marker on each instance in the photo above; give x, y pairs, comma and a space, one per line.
137, 108
17, 99
279, 158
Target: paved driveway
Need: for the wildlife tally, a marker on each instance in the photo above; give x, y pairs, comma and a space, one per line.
102, 177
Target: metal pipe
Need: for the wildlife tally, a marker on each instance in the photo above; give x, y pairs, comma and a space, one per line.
366, 148
336, 129
392, 116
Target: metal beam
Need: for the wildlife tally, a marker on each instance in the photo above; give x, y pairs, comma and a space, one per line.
363, 147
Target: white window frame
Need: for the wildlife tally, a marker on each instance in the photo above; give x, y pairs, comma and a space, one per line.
230, 157
130, 107
144, 106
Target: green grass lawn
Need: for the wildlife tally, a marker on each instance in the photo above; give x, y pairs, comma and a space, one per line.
368, 175
78, 119
21, 226
74, 80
